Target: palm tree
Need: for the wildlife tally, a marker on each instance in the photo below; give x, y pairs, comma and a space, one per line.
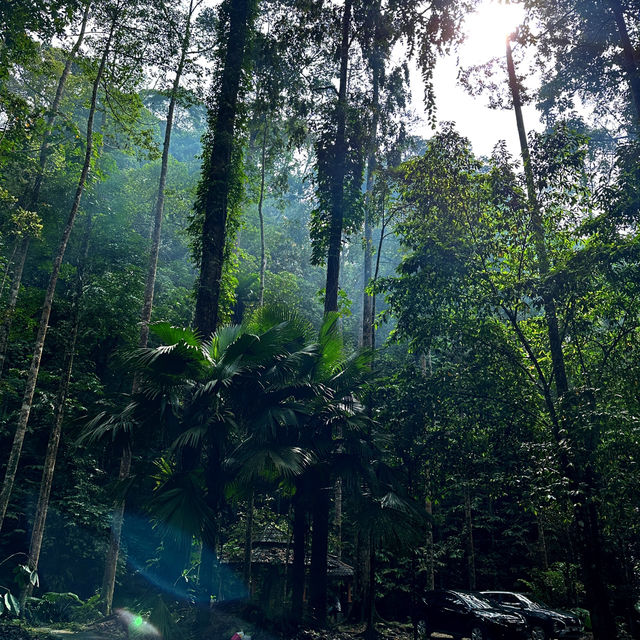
227, 405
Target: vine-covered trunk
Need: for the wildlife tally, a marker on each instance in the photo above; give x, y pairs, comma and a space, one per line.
585, 513
339, 171
32, 377
217, 171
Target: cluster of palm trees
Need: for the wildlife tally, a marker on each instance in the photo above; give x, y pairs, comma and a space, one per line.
269, 402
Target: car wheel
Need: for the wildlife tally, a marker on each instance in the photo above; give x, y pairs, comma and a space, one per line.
538, 633
478, 634
423, 629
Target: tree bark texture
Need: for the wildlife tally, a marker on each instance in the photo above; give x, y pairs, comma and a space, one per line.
339, 171
23, 418
217, 174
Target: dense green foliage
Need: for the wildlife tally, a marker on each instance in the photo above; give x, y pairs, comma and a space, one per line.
249, 453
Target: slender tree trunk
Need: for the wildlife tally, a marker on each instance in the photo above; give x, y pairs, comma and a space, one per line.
319, 545
48, 470
468, 534
370, 602
339, 171
16, 244
23, 418
34, 196
362, 584
542, 544
337, 514
5, 328
159, 208
298, 566
55, 106
368, 313
117, 520
629, 56
263, 254
431, 576
248, 543
111, 560
217, 172
586, 516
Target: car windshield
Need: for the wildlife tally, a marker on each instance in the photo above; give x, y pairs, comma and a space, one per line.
532, 604
475, 601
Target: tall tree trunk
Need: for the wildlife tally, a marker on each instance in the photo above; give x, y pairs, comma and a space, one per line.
34, 196
23, 418
586, 516
48, 470
468, 535
319, 545
159, 208
431, 575
111, 560
16, 280
7, 266
115, 533
368, 313
217, 171
362, 576
629, 56
339, 171
298, 566
248, 543
370, 602
263, 253
542, 544
337, 514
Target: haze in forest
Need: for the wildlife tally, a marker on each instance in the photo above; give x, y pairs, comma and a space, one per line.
300, 339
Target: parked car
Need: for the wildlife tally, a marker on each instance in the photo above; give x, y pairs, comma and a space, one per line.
544, 623
462, 614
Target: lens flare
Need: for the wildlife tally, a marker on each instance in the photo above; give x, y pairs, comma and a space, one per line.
136, 625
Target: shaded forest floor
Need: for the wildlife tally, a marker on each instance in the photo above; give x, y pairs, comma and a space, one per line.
111, 629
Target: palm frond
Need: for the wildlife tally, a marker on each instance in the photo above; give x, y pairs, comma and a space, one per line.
106, 423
